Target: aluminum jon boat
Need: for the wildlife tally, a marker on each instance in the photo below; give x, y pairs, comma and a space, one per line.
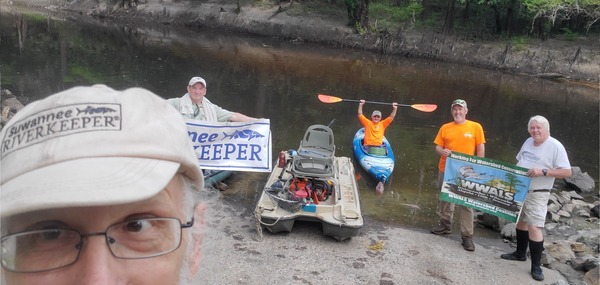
380, 166
312, 184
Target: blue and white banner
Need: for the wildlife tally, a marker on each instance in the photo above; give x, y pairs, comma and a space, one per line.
232, 145
486, 185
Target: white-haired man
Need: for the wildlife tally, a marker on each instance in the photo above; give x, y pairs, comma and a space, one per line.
546, 159
95, 191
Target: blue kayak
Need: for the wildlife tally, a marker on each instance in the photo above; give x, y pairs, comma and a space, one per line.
379, 167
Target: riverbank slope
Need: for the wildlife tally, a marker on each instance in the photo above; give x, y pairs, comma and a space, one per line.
554, 58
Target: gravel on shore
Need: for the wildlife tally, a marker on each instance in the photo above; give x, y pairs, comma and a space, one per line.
233, 253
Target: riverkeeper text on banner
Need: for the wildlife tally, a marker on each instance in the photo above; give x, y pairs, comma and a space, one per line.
486, 185
234, 146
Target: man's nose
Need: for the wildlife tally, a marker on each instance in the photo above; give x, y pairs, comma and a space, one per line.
96, 264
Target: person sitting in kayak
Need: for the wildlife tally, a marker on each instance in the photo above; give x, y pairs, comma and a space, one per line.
375, 128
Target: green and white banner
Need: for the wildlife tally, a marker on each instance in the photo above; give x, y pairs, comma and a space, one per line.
486, 185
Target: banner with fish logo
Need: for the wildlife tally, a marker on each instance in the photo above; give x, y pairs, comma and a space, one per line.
232, 145
486, 185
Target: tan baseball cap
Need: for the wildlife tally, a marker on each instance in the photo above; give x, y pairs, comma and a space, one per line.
459, 102
376, 113
91, 146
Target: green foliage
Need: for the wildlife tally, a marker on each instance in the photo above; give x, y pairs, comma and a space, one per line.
433, 20
79, 73
555, 10
36, 17
360, 29
519, 43
387, 15
395, 13
478, 21
568, 34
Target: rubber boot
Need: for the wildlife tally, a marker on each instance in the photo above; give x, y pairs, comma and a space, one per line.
536, 248
521, 252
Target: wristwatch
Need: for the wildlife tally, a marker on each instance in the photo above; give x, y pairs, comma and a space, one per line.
545, 171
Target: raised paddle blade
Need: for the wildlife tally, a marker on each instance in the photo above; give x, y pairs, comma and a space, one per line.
329, 99
424, 107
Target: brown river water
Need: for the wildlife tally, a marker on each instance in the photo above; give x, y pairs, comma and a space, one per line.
278, 79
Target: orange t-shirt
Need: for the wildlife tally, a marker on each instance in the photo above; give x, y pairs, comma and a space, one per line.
461, 138
374, 132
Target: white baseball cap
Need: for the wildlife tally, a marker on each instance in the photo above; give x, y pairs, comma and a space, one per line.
91, 146
197, 79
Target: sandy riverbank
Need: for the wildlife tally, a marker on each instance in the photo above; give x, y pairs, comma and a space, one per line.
234, 254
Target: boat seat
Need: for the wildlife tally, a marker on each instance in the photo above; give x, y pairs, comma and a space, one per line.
312, 167
315, 154
375, 150
317, 142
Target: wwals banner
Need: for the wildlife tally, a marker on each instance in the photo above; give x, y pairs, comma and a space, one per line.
486, 185
232, 145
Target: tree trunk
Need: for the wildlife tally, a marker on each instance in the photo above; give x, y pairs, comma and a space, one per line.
351, 6
509, 17
363, 13
426, 9
541, 27
498, 21
449, 21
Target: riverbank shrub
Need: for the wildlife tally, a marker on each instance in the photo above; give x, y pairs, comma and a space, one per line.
519, 43
387, 15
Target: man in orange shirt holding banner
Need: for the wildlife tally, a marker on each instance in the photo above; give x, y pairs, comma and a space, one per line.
463, 136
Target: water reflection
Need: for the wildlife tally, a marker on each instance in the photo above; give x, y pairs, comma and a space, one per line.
280, 80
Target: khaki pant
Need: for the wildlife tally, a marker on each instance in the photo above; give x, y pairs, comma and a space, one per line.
446, 213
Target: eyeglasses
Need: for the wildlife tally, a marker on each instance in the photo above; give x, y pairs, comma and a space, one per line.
49, 249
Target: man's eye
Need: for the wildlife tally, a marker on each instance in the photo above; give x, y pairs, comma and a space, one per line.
137, 226
51, 235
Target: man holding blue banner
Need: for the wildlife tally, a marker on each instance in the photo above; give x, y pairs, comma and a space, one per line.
546, 159
194, 105
463, 136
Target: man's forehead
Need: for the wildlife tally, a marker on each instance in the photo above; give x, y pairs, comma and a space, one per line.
197, 85
167, 203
